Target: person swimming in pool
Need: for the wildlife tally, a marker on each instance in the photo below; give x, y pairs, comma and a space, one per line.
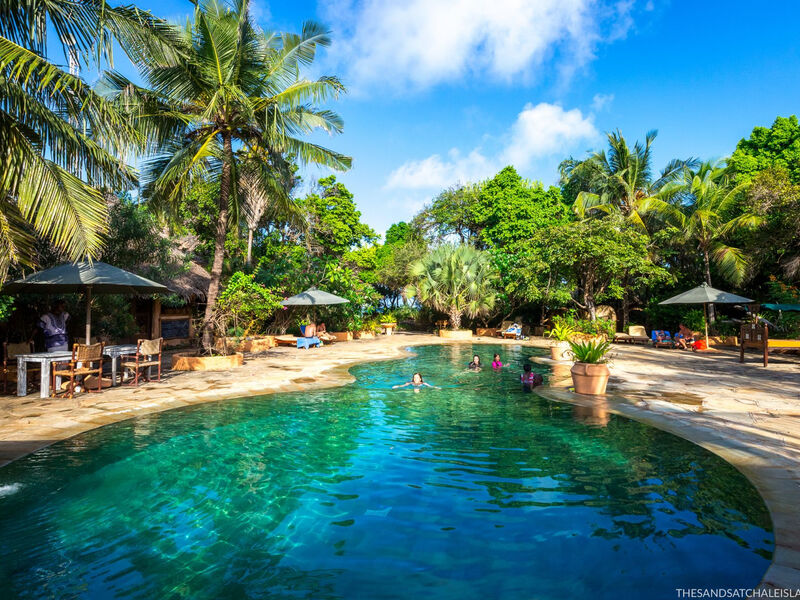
476, 364
496, 362
529, 379
416, 382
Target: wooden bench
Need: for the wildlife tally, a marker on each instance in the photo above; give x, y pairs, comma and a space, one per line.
757, 336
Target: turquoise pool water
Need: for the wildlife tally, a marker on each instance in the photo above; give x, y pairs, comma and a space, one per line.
474, 491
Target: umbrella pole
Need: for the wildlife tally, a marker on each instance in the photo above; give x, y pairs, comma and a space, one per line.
88, 314
705, 321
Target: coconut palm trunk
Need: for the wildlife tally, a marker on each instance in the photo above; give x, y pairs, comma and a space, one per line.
219, 240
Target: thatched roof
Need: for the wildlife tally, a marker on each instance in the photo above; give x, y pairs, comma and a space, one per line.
192, 283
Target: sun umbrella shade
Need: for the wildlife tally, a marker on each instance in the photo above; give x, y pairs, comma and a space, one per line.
314, 297
705, 294
101, 277
89, 278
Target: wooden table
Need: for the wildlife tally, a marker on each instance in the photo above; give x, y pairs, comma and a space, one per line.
46, 360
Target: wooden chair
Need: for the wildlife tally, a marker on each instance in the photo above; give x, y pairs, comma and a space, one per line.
86, 360
146, 350
10, 353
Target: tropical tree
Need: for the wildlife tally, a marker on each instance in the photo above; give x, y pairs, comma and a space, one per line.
776, 147
236, 87
621, 178
60, 140
264, 193
455, 279
701, 207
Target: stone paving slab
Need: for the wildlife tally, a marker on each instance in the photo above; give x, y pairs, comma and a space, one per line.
747, 414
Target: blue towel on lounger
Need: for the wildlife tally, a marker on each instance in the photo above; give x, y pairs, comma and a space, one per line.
308, 342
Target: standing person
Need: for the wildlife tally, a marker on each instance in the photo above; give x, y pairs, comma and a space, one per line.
475, 365
529, 379
496, 362
54, 326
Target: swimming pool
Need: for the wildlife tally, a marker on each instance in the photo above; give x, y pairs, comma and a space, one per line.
477, 490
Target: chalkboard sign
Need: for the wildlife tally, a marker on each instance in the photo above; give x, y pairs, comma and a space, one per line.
175, 328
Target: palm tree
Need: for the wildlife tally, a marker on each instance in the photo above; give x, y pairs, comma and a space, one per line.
622, 178
239, 87
456, 280
264, 186
700, 207
60, 140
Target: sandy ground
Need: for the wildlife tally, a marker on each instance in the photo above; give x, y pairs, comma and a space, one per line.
747, 414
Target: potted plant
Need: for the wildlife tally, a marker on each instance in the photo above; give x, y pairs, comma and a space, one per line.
590, 371
560, 334
388, 323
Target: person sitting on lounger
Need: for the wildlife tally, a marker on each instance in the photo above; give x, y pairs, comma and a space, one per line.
416, 382
685, 337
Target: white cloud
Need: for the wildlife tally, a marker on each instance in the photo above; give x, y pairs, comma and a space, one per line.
546, 129
419, 43
435, 172
539, 131
601, 101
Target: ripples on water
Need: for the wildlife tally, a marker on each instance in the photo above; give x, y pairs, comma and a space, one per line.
473, 491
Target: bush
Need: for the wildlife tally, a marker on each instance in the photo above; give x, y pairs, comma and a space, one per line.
605, 327
694, 320
247, 303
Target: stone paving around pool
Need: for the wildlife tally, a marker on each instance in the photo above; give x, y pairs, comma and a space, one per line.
745, 413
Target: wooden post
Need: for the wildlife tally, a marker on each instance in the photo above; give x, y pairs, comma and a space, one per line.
155, 327
705, 321
88, 315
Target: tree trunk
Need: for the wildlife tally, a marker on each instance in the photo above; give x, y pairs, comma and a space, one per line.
707, 263
455, 318
249, 260
219, 240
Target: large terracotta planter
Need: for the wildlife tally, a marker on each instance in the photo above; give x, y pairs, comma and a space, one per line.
456, 334
184, 361
364, 335
388, 328
560, 351
341, 336
486, 331
590, 379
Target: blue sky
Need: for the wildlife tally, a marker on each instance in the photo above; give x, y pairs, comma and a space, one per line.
446, 92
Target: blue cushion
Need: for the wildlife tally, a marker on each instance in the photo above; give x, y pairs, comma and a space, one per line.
306, 342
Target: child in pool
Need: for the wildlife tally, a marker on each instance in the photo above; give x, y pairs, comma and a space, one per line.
496, 362
529, 379
416, 382
475, 365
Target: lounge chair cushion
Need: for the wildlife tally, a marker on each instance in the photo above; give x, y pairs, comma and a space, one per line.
307, 342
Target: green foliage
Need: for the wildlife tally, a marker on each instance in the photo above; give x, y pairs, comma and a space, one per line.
398, 234
605, 327
702, 206
6, 307
335, 222
112, 318
388, 318
590, 351
600, 259
451, 214
694, 319
561, 332
456, 280
247, 303
510, 209
778, 146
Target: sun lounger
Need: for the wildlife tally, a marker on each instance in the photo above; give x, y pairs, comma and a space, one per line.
285, 340
666, 342
308, 342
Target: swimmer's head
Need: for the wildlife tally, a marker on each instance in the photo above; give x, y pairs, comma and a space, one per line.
526, 368
416, 379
